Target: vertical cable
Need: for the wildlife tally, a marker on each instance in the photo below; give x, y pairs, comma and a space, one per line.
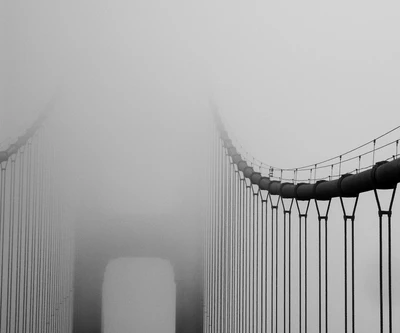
218, 287
228, 245
246, 241
287, 205
348, 218
220, 243
46, 268
257, 197
262, 268
2, 221
19, 240
248, 238
34, 272
302, 207
27, 238
214, 237
211, 233
274, 262
266, 282
253, 223
40, 252
235, 250
224, 245
11, 235
272, 267
263, 255
323, 265
387, 212
206, 247
243, 252
239, 253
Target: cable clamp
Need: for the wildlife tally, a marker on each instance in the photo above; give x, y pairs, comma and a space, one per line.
385, 212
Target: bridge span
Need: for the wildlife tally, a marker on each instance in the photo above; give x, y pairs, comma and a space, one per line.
306, 249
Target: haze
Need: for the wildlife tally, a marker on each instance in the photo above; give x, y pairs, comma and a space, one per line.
295, 82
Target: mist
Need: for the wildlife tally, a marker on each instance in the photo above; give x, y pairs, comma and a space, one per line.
131, 83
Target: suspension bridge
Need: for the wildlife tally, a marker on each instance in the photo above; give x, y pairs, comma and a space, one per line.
280, 252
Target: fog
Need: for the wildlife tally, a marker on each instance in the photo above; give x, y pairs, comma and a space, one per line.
294, 65
295, 82
135, 289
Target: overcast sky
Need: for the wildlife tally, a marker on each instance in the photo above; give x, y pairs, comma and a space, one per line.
282, 72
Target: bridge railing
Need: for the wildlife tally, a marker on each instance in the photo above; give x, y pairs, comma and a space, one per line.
36, 237
316, 256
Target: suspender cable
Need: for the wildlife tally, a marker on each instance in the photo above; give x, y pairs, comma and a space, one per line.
263, 260
302, 207
223, 243
207, 219
272, 268
33, 271
220, 243
214, 236
233, 251
214, 232
348, 218
388, 323
27, 238
229, 246
54, 263
58, 267
274, 200
257, 245
248, 254
46, 266
205, 253
62, 270
287, 205
243, 251
66, 267
72, 265
40, 235
237, 252
211, 232
209, 240
2, 221
235, 308
19, 263
11, 236
236, 249
50, 298
245, 254
323, 264
253, 260
50, 246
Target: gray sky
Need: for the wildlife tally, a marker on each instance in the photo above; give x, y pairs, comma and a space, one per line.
285, 73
